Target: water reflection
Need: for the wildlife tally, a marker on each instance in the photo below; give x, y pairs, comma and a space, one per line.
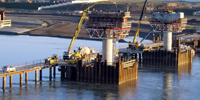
167, 88
127, 89
180, 70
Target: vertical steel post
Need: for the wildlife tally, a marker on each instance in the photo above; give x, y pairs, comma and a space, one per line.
4, 83
21, 79
11, 81
36, 76
54, 71
41, 75
26, 77
50, 73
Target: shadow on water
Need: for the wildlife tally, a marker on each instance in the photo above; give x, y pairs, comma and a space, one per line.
101, 91
180, 70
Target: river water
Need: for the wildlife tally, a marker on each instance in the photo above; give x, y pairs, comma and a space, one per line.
150, 85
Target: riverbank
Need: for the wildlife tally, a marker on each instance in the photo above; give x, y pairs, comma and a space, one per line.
61, 26
55, 26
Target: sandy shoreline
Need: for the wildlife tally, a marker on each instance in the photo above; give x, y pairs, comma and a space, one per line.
57, 26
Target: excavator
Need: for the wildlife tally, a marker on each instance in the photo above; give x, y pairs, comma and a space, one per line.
76, 55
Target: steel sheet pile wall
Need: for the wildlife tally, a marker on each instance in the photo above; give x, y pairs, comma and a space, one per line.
101, 73
167, 60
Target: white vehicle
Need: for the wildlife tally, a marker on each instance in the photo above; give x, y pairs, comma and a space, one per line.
8, 69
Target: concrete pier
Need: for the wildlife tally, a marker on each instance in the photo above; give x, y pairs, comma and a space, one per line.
11, 81
54, 71
36, 76
26, 77
4, 83
50, 73
167, 41
41, 75
21, 79
21, 72
107, 53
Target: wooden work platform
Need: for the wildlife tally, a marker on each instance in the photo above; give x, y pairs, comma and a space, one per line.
20, 70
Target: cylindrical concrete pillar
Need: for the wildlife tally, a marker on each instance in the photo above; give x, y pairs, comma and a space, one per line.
167, 41
103, 50
107, 53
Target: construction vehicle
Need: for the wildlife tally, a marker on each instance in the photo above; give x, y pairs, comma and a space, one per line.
52, 60
135, 45
76, 55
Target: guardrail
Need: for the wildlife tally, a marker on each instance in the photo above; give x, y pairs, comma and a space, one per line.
34, 62
4, 23
29, 64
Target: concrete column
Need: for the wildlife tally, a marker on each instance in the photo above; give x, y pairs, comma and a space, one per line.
26, 77
4, 83
104, 49
36, 75
167, 41
41, 75
50, 73
11, 81
21, 79
107, 53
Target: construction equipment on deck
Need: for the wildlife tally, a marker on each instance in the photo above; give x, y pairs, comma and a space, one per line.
76, 55
52, 60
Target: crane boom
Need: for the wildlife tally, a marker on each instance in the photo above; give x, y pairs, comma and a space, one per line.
137, 30
79, 26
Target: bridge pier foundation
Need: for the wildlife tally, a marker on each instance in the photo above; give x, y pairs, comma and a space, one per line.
50, 73
54, 71
4, 83
41, 75
11, 81
36, 76
26, 77
21, 79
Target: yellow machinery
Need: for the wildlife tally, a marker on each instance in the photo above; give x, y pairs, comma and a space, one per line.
69, 55
135, 44
51, 60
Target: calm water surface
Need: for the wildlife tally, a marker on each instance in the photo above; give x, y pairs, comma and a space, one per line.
150, 85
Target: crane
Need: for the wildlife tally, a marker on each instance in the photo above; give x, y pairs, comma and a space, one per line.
137, 44
68, 54
79, 27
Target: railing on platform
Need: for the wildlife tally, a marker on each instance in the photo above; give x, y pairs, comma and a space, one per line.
29, 64
4, 23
